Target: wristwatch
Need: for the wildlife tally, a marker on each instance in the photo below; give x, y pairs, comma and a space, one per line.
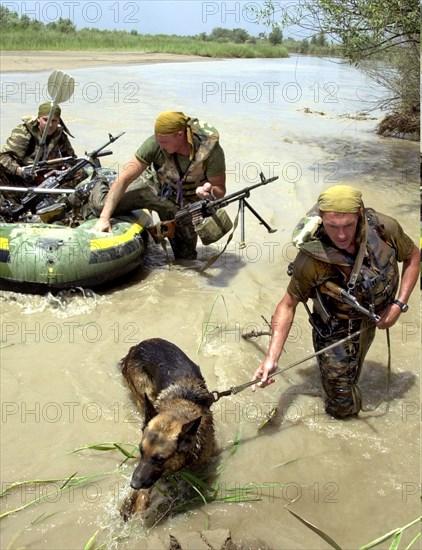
403, 307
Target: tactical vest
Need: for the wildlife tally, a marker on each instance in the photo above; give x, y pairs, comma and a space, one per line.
378, 277
183, 186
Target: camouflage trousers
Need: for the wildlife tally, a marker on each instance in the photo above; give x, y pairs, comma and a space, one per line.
144, 192
341, 366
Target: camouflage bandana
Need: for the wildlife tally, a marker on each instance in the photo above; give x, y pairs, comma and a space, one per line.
45, 108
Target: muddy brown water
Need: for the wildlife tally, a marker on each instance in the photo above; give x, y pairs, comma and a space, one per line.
60, 385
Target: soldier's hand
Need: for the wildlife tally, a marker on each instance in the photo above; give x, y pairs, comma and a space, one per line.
103, 224
205, 191
389, 316
26, 174
263, 373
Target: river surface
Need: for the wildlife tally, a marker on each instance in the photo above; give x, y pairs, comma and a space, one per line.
300, 119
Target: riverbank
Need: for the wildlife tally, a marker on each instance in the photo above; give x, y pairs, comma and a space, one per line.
28, 61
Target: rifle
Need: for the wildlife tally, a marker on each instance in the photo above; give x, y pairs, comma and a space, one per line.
43, 168
30, 201
338, 293
195, 213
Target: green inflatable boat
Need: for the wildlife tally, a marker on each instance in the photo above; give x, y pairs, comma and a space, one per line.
39, 257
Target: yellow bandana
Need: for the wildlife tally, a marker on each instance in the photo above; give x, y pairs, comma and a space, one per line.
171, 122
340, 198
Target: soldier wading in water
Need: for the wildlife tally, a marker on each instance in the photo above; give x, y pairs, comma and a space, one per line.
346, 246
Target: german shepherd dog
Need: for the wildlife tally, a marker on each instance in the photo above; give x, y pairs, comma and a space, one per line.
178, 429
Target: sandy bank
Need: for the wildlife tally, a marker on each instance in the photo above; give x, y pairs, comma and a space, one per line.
24, 61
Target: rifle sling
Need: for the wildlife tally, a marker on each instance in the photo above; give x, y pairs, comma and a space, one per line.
182, 179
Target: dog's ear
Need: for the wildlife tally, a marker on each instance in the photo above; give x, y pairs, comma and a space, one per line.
150, 410
187, 433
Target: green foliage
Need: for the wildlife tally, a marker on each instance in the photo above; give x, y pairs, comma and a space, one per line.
319, 40
94, 39
364, 28
8, 18
222, 35
62, 25
276, 36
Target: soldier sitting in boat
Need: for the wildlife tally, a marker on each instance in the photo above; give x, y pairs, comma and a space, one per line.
182, 161
21, 148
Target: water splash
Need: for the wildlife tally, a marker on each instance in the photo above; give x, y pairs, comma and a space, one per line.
65, 303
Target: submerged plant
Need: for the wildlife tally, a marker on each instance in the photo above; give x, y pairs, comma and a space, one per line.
396, 535
66, 484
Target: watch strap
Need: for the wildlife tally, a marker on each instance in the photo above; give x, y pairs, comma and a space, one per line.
402, 306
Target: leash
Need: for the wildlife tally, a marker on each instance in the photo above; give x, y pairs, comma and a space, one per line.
237, 389
387, 384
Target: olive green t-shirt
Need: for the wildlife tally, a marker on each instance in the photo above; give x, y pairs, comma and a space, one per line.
308, 272
151, 153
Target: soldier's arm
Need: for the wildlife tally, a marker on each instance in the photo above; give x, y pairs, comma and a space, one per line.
280, 327
132, 170
409, 277
215, 170
15, 150
215, 187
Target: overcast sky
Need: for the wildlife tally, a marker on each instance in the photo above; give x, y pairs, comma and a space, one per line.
182, 17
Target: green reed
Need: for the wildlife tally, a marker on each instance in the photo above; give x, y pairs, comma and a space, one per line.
395, 535
92, 39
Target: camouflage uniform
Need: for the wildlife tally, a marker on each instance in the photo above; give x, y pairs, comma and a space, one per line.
20, 150
317, 262
163, 189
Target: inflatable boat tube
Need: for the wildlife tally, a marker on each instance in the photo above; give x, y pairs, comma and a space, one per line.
38, 257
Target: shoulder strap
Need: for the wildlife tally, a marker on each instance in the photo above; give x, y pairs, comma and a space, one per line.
359, 258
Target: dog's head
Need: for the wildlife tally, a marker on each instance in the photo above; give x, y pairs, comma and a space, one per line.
166, 443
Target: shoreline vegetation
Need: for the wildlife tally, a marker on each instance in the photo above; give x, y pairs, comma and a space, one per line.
168, 44
26, 34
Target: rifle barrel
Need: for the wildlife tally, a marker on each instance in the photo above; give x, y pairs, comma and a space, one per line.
38, 190
244, 191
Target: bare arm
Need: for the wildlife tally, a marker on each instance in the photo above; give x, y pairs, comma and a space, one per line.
409, 278
280, 327
132, 170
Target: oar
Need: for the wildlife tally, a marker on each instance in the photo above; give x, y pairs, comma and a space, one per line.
60, 87
40, 190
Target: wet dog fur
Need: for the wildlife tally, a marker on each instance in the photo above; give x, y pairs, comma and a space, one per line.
178, 429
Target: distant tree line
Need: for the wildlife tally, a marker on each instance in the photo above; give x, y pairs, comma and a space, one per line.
274, 37
11, 21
